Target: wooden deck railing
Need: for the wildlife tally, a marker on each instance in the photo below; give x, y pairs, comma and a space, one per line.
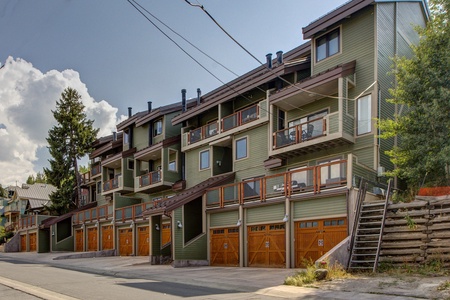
203, 132
131, 212
93, 214
150, 178
241, 117
28, 221
111, 184
308, 179
97, 169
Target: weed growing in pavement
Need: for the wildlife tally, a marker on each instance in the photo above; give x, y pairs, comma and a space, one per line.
307, 277
444, 286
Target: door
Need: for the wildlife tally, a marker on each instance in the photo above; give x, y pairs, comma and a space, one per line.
23, 242
166, 236
92, 239
32, 238
314, 238
125, 242
143, 241
267, 245
224, 245
79, 241
107, 237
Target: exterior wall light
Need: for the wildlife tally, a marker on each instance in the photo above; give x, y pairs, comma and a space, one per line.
179, 225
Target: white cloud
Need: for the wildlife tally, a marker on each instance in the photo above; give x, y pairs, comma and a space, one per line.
27, 97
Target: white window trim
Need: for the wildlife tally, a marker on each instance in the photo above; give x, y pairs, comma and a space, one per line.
176, 160
200, 160
358, 115
247, 138
154, 129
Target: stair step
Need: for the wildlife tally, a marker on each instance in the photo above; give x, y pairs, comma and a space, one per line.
372, 210
371, 217
362, 254
367, 235
372, 204
370, 268
371, 223
365, 248
363, 261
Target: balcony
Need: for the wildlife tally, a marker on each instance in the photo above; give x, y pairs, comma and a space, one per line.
27, 222
307, 180
94, 214
11, 226
131, 212
96, 171
238, 121
327, 132
11, 209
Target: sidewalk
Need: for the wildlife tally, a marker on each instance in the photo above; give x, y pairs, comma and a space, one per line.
264, 282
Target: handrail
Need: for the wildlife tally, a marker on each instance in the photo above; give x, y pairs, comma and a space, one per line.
241, 117
152, 177
359, 199
297, 134
380, 239
203, 132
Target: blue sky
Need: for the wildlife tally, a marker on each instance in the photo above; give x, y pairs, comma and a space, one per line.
119, 59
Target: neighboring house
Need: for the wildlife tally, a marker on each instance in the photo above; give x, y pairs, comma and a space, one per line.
260, 172
25, 211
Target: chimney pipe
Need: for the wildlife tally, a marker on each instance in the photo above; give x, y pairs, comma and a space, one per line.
269, 60
114, 136
149, 105
199, 94
183, 100
280, 57
129, 111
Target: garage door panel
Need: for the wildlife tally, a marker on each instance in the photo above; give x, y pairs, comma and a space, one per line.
143, 241
92, 239
32, 238
125, 242
224, 245
267, 245
107, 237
23, 243
79, 242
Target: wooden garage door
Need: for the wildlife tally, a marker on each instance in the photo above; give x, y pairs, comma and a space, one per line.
316, 237
92, 239
32, 238
23, 242
79, 241
143, 241
267, 245
224, 245
125, 242
107, 237
166, 236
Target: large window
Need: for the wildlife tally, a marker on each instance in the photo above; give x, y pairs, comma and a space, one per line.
241, 148
172, 160
364, 115
312, 125
328, 45
204, 160
157, 127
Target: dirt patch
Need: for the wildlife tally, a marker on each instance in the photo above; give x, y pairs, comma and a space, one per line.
428, 287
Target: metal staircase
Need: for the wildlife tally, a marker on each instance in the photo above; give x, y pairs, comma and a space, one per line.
368, 231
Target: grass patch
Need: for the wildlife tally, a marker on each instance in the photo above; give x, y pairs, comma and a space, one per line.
445, 286
307, 277
430, 268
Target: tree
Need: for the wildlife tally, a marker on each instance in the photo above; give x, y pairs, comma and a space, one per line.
68, 141
423, 89
40, 178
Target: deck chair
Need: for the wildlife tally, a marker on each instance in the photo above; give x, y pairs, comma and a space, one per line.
307, 134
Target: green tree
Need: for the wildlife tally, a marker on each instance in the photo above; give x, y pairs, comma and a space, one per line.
423, 89
69, 140
40, 178
2, 191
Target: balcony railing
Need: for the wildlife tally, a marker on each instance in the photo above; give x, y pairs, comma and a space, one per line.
111, 184
305, 180
26, 222
150, 178
131, 212
96, 170
10, 226
85, 177
240, 118
12, 208
93, 214
203, 132
300, 133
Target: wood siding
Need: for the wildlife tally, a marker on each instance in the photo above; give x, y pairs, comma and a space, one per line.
320, 207
228, 218
267, 213
196, 249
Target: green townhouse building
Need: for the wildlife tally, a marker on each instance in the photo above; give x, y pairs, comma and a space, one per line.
272, 159
260, 172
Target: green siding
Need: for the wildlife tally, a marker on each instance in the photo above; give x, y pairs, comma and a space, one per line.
43, 241
64, 245
267, 213
156, 236
127, 175
193, 173
195, 250
223, 219
331, 105
320, 207
140, 138
366, 150
169, 129
121, 201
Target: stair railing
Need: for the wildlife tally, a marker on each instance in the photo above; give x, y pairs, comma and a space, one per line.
380, 239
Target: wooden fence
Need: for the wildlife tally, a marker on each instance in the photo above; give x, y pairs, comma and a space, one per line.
417, 232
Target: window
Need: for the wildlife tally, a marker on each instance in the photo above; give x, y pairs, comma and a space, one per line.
312, 125
241, 148
99, 187
126, 137
204, 160
157, 127
172, 160
364, 115
130, 164
327, 45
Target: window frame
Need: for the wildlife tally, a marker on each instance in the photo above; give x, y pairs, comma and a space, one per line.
327, 37
368, 113
175, 169
236, 158
157, 130
208, 160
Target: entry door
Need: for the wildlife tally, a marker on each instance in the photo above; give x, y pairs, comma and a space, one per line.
224, 245
267, 245
316, 237
143, 241
79, 241
92, 239
32, 238
107, 237
125, 242
23, 242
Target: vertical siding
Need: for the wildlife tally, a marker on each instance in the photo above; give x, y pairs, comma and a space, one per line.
222, 219
318, 208
169, 129
127, 175
365, 150
193, 173
140, 137
328, 103
267, 213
